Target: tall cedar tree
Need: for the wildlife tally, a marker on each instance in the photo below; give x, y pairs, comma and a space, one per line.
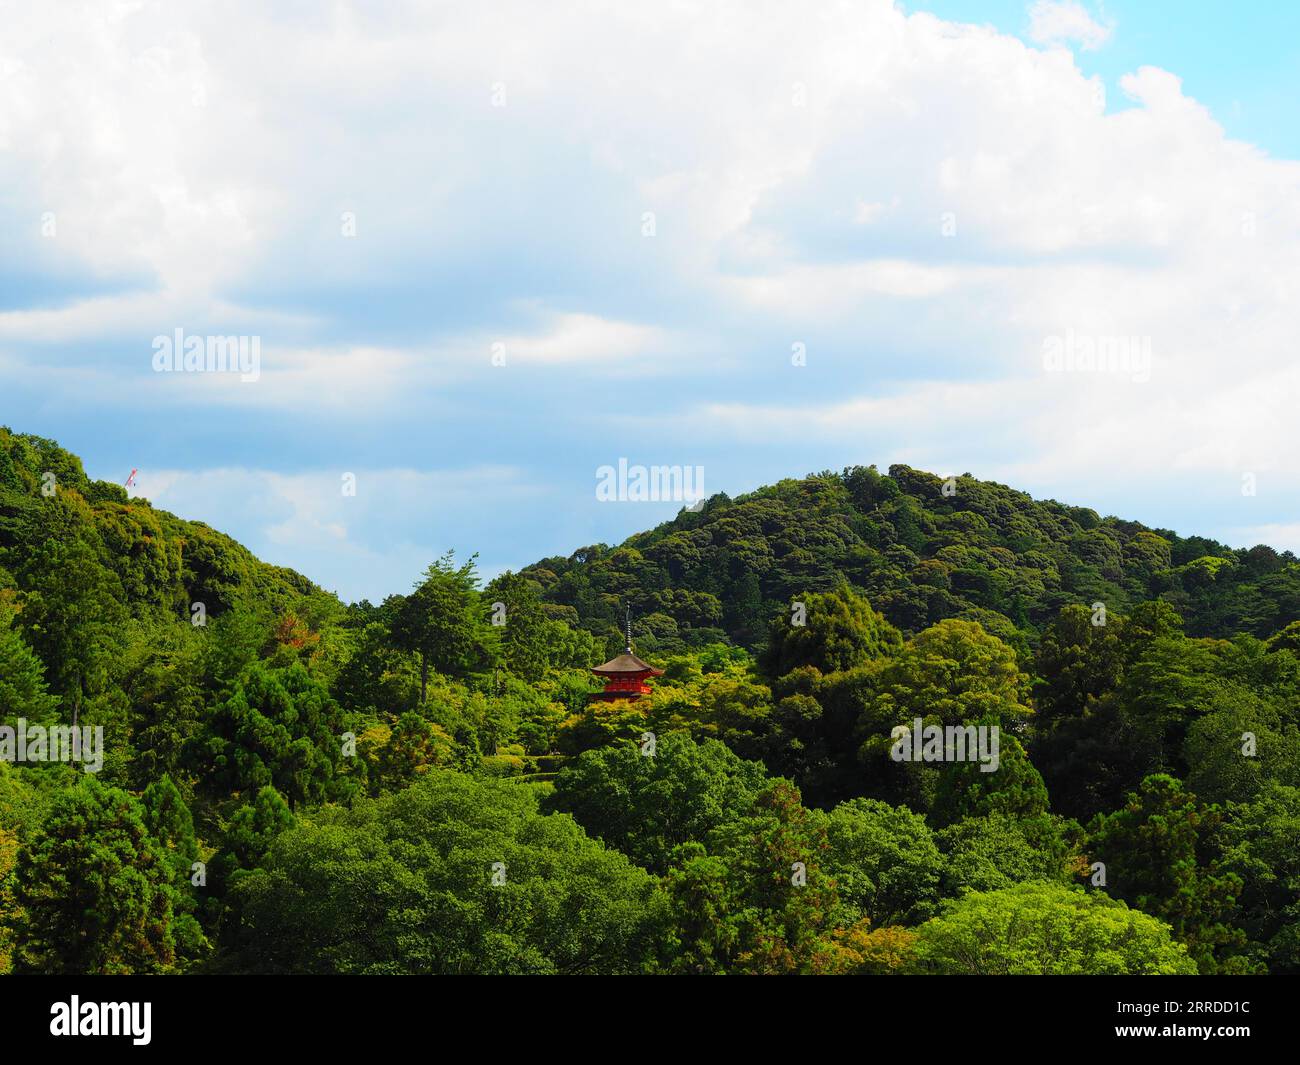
445, 623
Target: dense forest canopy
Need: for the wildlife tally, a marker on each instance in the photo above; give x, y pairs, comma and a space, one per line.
290, 783
922, 548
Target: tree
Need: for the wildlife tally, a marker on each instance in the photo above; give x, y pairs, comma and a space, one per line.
1286, 639
647, 805
72, 617
884, 861
248, 836
1263, 849
414, 746
839, 630
524, 642
443, 622
1116, 701
755, 898
163, 679
278, 727
452, 876
25, 795
1014, 789
1046, 930
953, 673
95, 888
377, 674
1219, 768
22, 679
820, 663
1078, 661
1159, 853
861, 950
169, 821
996, 851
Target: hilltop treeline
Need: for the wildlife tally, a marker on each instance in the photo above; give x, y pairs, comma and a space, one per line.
923, 549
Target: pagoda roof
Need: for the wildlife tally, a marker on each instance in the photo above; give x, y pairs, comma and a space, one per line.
627, 663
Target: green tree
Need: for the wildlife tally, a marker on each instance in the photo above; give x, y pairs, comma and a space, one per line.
839, 630
168, 818
1160, 856
1078, 662
278, 727
884, 861
755, 898
22, 679
169, 821
647, 804
524, 636
72, 616
995, 851
414, 746
247, 837
95, 889
451, 876
377, 675
1038, 929
444, 622
1014, 788
1234, 752
1263, 849
953, 673
164, 683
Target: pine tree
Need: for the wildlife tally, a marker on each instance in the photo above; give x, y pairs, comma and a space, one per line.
94, 886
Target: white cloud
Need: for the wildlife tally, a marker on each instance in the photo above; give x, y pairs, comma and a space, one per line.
579, 338
922, 202
1065, 22
834, 289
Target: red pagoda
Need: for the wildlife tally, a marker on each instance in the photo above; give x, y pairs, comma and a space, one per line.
625, 676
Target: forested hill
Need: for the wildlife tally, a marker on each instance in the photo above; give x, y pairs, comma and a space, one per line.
284, 783
923, 549
151, 562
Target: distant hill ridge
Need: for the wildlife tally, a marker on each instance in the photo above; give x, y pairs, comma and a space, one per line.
163, 563
922, 549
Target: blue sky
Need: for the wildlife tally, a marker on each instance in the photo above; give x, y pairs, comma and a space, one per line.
434, 220
1242, 61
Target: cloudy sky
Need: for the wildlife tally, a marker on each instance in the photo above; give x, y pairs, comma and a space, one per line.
488, 248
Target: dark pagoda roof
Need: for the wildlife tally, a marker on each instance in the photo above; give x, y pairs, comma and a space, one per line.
627, 663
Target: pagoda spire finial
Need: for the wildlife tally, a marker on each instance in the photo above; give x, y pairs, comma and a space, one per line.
629, 628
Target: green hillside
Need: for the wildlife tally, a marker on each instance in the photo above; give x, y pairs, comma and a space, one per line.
158, 563
290, 784
922, 550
